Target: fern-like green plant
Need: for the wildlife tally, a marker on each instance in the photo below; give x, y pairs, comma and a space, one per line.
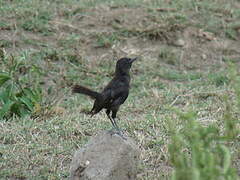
200, 152
17, 96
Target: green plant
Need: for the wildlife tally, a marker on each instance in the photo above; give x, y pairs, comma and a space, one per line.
179, 76
38, 22
218, 79
231, 34
17, 97
106, 40
5, 43
168, 56
202, 152
199, 152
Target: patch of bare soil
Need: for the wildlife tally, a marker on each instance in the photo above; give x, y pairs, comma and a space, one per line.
145, 34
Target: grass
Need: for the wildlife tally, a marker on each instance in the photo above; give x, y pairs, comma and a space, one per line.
66, 42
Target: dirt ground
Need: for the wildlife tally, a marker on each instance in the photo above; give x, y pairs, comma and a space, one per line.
108, 32
197, 49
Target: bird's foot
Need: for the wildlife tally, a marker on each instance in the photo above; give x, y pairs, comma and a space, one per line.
117, 131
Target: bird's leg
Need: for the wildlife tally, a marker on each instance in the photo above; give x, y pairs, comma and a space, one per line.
119, 131
92, 112
116, 129
112, 121
114, 115
116, 126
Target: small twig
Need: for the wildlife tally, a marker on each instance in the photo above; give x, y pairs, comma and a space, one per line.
199, 94
174, 101
64, 24
216, 93
164, 9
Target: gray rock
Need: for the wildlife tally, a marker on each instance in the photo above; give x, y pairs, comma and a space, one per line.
179, 43
106, 157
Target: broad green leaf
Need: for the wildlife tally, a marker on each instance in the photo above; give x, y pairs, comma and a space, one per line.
26, 101
6, 108
34, 95
4, 96
23, 112
15, 108
4, 77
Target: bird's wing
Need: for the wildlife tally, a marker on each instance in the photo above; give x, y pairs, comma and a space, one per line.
119, 98
116, 92
118, 95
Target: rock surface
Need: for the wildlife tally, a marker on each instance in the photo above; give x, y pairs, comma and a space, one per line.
106, 157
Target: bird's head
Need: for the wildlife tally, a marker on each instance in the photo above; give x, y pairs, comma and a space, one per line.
124, 64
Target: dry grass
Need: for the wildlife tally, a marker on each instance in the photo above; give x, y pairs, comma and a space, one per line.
77, 42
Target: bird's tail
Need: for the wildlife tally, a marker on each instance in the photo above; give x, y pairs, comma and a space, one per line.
86, 91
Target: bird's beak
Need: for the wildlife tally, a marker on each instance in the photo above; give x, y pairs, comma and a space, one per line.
132, 60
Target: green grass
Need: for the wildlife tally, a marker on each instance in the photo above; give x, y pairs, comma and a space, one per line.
61, 43
106, 40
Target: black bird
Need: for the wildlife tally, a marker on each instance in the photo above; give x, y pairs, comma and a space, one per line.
114, 94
